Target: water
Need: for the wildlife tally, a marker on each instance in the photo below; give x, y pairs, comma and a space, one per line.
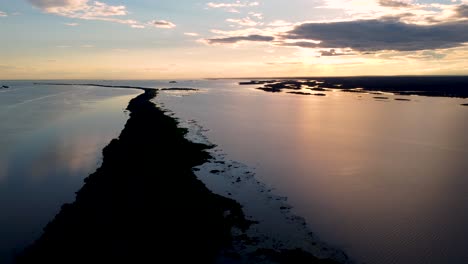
51, 138
383, 180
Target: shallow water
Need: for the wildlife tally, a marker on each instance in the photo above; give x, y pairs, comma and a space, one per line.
51, 139
384, 180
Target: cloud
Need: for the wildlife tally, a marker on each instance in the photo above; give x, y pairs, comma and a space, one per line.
79, 8
461, 11
332, 52
232, 7
71, 24
55, 5
191, 34
280, 23
247, 21
256, 15
232, 40
394, 3
3, 14
94, 10
377, 35
236, 4
161, 24
84, 9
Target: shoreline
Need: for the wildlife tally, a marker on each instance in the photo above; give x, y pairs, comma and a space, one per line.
145, 203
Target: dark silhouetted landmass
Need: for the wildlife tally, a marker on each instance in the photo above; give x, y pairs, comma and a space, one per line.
464, 104
118, 86
95, 85
300, 93
179, 89
303, 93
253, 82
145, 205
443, 86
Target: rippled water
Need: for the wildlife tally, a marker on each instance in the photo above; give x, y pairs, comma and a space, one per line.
51, 138
384, 180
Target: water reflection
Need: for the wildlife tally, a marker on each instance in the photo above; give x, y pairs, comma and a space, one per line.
52, 138
385, 181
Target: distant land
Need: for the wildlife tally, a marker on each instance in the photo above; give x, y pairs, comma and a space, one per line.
443, 86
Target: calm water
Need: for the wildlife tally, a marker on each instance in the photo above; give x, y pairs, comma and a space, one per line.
384, 180
51, 138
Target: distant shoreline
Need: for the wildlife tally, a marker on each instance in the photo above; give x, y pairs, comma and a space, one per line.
116, 86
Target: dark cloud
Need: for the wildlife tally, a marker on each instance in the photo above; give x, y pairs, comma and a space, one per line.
461, 11
376, 35
57, 3
393, 3
332, 52
162, 24
302, 44
397, 17
231, 40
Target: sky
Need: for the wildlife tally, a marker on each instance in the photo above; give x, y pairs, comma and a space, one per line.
167, 39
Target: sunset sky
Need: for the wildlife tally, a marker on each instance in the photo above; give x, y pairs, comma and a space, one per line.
163, 39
